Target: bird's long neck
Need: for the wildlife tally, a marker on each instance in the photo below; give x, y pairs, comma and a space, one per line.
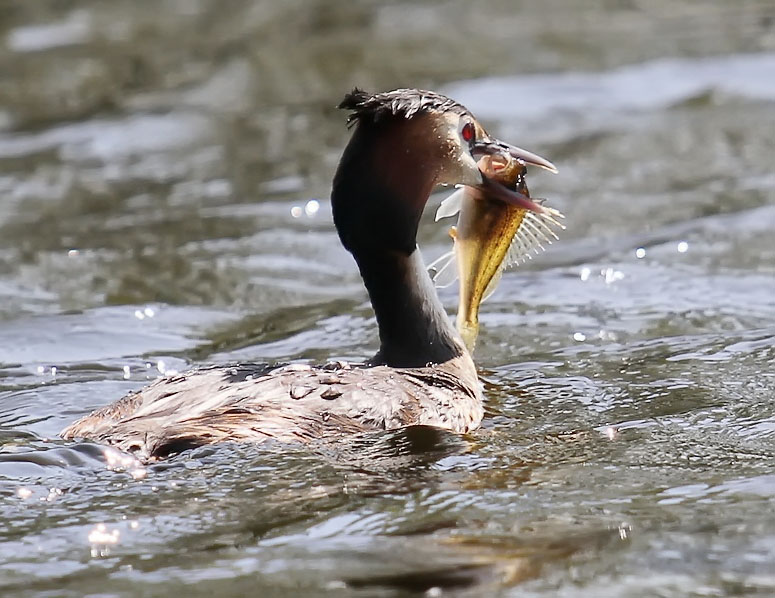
379, 192
414, 329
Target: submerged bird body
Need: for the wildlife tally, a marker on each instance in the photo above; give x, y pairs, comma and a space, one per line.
405, 143
290, 403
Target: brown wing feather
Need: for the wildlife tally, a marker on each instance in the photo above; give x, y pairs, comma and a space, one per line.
291, 403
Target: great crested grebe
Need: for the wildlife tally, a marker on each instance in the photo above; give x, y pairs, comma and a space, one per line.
405, 143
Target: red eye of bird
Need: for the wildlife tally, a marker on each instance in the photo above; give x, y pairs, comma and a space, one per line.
468, 132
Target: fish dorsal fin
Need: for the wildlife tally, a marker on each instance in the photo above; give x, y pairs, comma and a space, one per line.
492, 285
443, 270
534, 232
451, 205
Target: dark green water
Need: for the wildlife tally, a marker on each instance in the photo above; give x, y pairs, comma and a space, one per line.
159, 168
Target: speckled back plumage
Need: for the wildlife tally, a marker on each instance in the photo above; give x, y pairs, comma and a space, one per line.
292, 403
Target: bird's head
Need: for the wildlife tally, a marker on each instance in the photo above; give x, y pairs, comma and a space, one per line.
406, 142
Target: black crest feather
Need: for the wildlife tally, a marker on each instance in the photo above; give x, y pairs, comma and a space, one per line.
399, 102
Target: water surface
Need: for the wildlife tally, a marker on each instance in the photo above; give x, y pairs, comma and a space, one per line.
164, 175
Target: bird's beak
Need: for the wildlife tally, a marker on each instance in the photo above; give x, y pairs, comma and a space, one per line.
496, 148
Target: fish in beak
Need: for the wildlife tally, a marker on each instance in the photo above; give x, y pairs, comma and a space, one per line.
504, 189
498, 225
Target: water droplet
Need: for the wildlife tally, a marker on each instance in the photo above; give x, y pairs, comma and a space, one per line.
127, 372
73, 253
584, 275
149, 313
579, 336
296, 211
54, 370
640, 253
683, 247
24, 493
139, 315
161, 366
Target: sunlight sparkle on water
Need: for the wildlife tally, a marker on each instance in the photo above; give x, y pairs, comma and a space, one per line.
312, 207
127, 372
120, 461
146, 312
52, 495
101, 539
138, 473
624, 530
682, 247
640, 253
101, 535
611, 275
24, 493
164, 370
579, 336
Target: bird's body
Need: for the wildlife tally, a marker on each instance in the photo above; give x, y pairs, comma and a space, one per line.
405, 143
290, 403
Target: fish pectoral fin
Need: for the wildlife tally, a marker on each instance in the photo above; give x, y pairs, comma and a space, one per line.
492, 285
443, 271
450, 205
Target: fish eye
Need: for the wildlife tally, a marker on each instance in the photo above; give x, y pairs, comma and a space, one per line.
468, 133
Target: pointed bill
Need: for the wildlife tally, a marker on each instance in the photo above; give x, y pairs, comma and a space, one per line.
494, 147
